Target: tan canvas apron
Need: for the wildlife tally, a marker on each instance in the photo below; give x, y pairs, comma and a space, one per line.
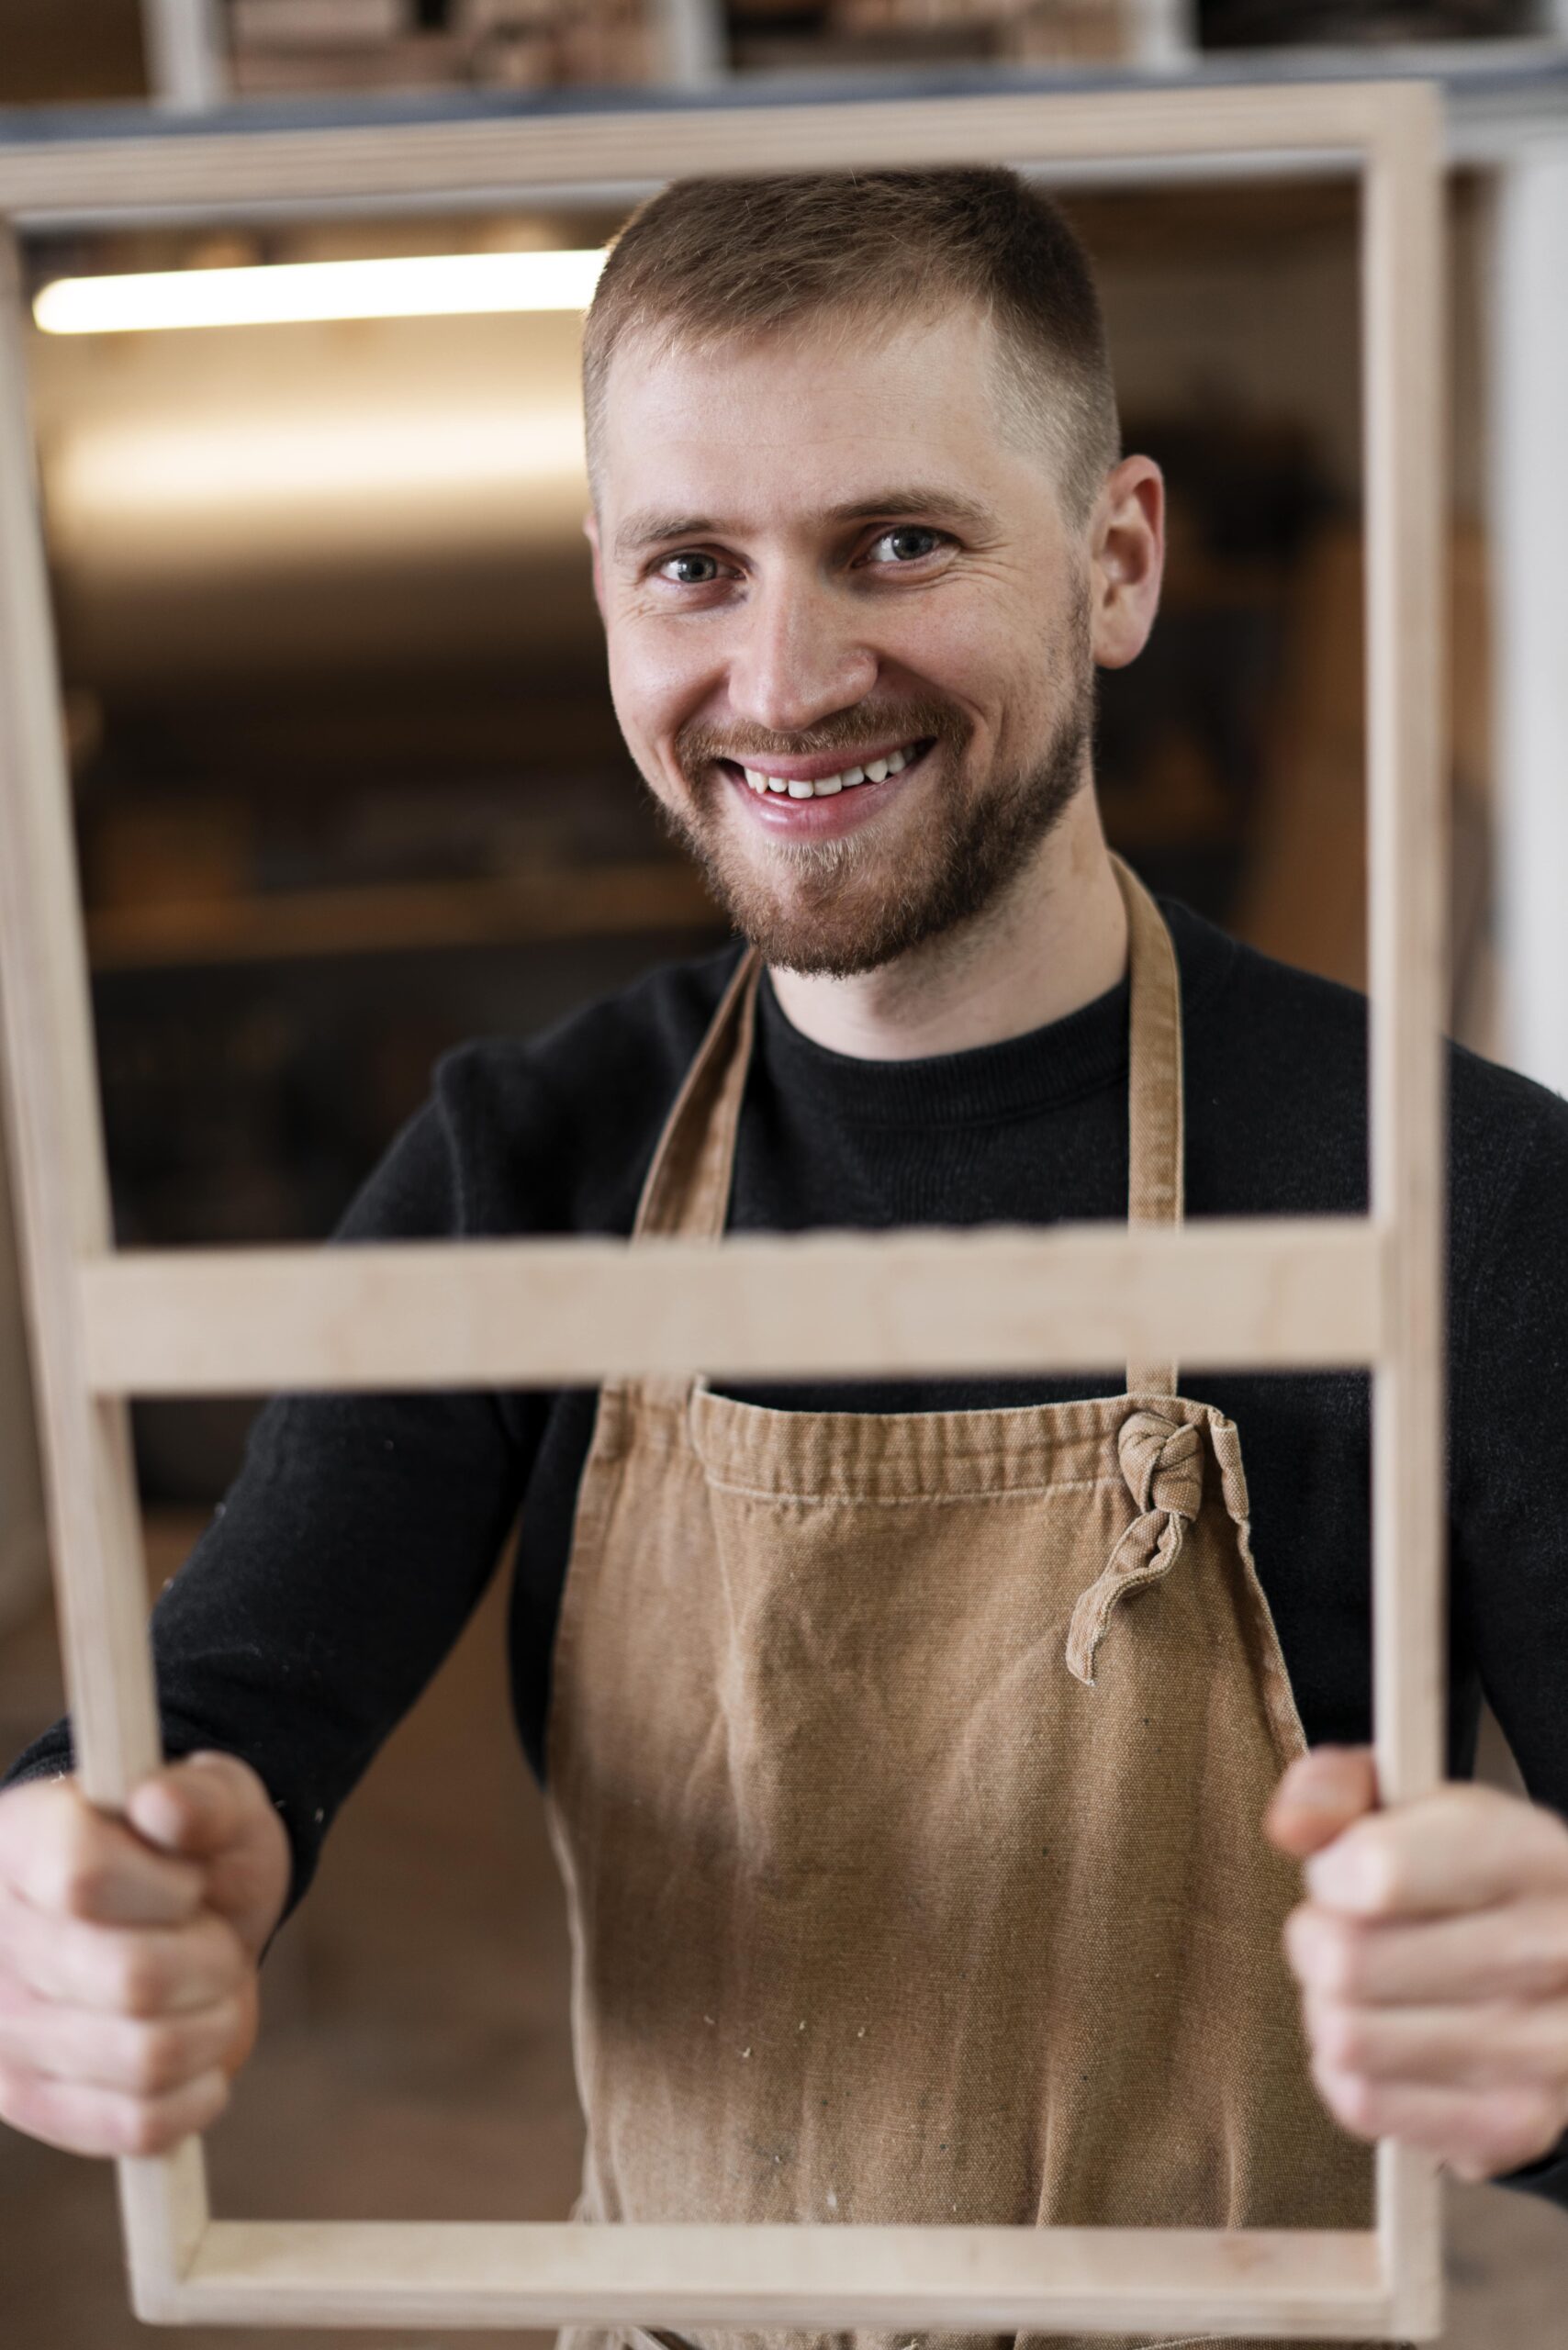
906, 1771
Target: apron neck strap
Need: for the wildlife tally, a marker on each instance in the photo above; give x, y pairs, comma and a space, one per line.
688, 1188
1155, 1149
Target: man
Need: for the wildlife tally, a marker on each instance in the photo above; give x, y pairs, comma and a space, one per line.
907, 1741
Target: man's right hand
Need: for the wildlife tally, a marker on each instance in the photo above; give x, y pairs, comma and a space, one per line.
128, 1951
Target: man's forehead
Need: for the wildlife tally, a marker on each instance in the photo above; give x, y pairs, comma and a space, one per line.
649, 352
805, 430
904, 379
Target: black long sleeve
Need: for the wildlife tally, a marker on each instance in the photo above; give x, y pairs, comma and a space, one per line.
361, 1529
343, 1562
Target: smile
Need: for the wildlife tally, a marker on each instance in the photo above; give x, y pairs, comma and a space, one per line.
872, 768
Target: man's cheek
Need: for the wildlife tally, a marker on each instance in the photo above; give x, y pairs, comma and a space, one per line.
669, 790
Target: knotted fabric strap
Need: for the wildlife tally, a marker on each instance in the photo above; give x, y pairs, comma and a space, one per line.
1162, 1461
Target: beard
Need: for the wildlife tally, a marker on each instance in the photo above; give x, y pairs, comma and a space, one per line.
840, 906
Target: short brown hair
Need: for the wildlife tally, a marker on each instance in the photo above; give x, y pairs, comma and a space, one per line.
709, 258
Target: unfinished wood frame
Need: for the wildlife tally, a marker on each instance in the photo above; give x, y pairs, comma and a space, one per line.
107, 1325
24, 1551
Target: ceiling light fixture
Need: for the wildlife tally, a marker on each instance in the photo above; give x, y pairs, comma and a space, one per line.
422, 285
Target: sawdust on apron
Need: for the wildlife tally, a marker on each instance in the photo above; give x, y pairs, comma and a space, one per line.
906, 1773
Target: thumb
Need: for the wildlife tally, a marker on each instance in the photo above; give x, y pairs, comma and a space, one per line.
1319, 1796
197, 1806
214, 1810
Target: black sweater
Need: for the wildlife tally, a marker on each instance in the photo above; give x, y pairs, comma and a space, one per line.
362, 1529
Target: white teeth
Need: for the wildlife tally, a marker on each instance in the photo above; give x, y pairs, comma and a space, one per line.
875, 772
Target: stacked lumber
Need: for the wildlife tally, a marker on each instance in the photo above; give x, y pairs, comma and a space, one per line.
317, 24
288, 46
1072, 33
1055, 31
524, 44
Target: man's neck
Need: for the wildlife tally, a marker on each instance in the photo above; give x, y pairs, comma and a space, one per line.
1057, 939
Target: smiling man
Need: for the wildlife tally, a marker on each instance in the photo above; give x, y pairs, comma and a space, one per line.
852, 640
928, 1760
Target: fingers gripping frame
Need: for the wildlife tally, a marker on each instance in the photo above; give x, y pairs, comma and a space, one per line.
108, 1324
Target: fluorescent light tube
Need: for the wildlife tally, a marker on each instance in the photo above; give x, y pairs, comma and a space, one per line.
162, 473
422, 285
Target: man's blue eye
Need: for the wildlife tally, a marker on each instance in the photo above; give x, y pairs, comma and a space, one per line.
909, 545
687, 571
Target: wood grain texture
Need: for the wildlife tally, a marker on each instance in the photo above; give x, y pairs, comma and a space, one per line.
1406, 371
63, 1219
24, 1544
546, 1313
1100, 2279
564, 147
57, 1141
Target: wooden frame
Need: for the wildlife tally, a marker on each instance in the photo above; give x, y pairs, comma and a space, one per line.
107, 1325
24, 1552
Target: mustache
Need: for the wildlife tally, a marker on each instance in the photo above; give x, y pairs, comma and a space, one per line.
699, 744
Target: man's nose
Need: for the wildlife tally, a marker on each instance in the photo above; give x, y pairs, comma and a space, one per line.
800, 657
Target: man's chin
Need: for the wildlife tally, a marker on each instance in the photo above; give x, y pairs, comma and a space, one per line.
809, 906
796, 931
821, 955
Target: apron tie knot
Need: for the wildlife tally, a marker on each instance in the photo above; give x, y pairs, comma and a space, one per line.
1162, 1461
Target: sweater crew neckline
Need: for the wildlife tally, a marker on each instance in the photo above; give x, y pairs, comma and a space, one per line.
1045, 1068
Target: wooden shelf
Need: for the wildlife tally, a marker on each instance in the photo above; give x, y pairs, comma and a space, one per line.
1501, 95
594, 902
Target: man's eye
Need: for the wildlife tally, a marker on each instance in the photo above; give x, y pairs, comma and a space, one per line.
690, 570
908, 543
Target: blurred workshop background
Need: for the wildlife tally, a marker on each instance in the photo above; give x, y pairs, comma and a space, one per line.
348, 788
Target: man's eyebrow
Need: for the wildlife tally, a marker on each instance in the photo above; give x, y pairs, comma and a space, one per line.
917, 498
654, 527
650, 529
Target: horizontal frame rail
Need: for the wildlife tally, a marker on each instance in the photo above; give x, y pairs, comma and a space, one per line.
426, 1314
1117, 2280
225, 165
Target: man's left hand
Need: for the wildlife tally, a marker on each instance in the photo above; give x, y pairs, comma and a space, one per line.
1432, 1955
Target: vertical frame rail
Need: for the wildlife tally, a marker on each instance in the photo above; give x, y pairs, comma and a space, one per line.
1403, 369
63, 1212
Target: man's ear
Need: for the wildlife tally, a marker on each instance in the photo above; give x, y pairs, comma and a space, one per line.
1127, 553
590, 532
